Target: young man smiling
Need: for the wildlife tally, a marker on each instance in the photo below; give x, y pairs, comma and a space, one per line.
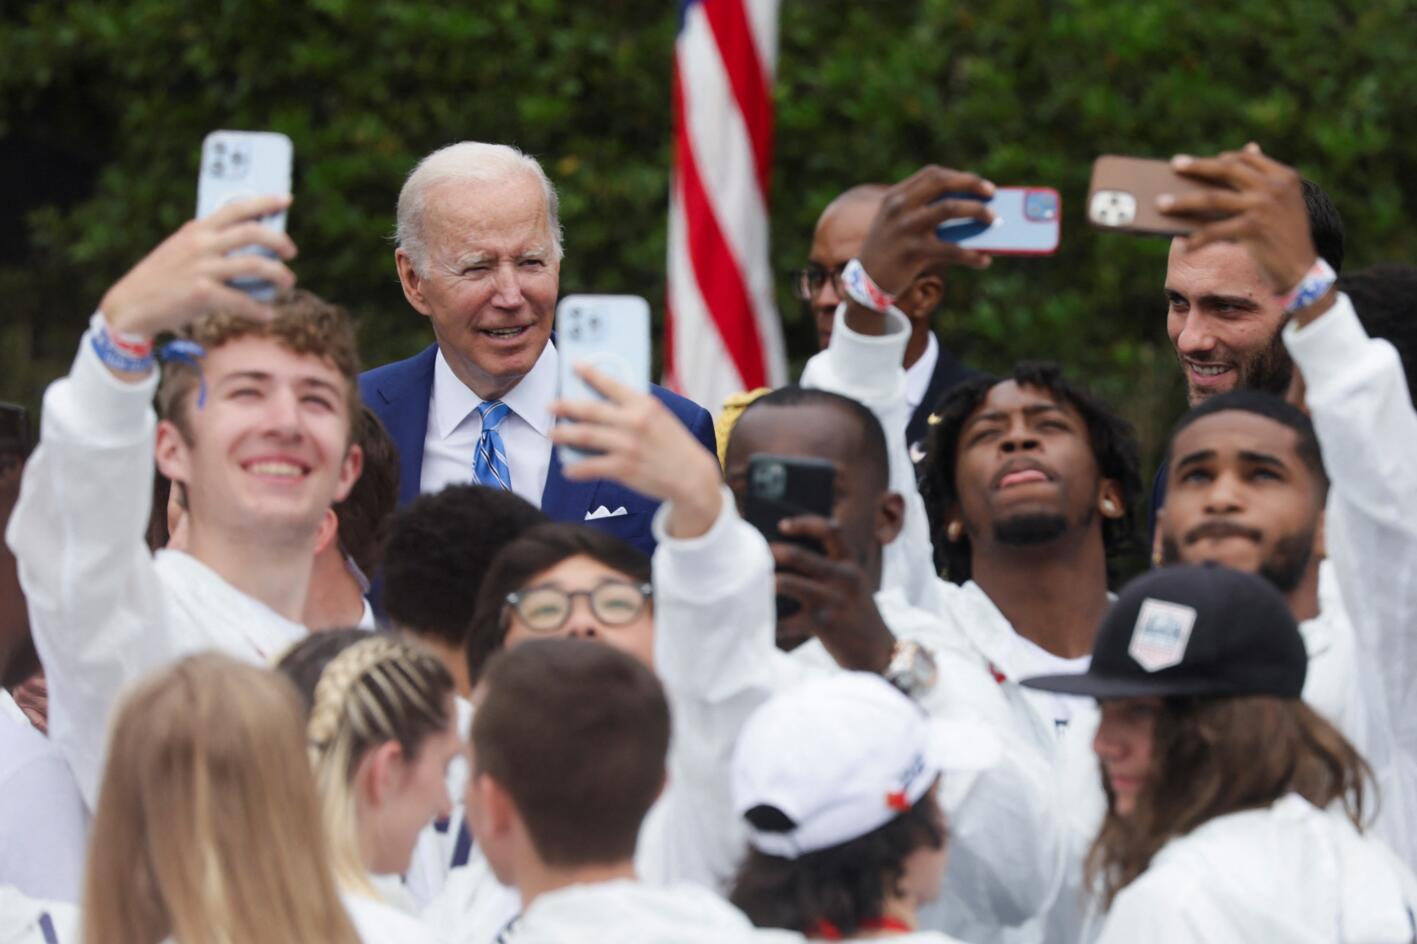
256, 431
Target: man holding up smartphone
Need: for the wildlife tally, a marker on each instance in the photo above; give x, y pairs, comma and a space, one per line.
1356, 392
256, 428
931, 369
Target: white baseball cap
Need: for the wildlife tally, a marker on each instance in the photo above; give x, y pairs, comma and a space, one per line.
843, 755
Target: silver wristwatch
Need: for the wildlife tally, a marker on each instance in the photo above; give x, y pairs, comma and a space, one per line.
912, 668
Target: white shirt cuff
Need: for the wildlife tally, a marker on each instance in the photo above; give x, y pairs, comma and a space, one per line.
712, 560
867, 367
108, 408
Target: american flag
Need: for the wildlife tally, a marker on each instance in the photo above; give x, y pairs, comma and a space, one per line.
722, 329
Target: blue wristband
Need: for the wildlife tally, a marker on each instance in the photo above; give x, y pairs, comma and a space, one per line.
127, 356
1313, 286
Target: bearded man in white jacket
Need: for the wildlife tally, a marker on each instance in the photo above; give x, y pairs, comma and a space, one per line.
257, 434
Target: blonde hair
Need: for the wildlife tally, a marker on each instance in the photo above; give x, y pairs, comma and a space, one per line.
362, 690
206, 828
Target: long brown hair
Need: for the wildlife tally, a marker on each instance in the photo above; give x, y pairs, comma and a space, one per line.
207, 828
1213, 756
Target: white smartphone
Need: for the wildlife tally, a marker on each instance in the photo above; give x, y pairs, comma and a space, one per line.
239, 164
610, 333
1026, 221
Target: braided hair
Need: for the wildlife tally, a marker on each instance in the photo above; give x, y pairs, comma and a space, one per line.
362, 690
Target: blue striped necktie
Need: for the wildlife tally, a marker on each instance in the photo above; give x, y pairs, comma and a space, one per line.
489, 466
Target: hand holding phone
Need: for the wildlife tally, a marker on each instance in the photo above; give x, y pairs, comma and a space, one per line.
1026, 223
608, 332
782, 487
1123, 193
241, 164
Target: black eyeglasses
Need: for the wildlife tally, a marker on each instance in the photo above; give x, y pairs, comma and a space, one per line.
546, 609
808, 281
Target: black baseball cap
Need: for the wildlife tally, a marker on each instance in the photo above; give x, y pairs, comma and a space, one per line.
1205, 630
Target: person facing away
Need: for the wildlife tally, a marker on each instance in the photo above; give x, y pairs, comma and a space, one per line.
1235, 811
479, 256
256, 425
207, 828
931, 369
568, 754
838, 779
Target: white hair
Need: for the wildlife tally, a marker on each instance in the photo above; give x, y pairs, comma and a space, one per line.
465, 161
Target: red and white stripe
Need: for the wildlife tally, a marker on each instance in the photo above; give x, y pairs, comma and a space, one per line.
723, 331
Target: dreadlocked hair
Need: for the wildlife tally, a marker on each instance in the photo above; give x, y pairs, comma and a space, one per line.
1114, 446
362, 690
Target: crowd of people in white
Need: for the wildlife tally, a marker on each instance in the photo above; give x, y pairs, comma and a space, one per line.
933, 715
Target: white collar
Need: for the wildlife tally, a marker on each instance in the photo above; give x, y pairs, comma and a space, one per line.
454, 401
919, 374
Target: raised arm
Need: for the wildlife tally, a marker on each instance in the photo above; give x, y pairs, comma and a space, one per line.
96, 606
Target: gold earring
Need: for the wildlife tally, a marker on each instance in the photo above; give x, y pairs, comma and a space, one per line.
1108, 506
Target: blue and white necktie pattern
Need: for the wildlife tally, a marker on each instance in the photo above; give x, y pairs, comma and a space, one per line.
489, 466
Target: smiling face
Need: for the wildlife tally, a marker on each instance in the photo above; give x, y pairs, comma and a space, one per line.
1224, 322
1125, 738
270, 449
418, 798
490, 281
1025, 472
583, 574
1239, 494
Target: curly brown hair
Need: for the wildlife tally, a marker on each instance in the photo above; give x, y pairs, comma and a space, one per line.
304, 324
1213, 756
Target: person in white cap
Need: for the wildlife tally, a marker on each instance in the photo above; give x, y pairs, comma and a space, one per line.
719, 640
1236, 813
838, 779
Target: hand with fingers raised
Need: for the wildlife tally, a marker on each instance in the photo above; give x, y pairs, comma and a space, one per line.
1255, 201
640, 444
837, 595
186, 276
902, 241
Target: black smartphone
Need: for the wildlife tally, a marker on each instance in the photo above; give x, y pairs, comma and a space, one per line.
782, 487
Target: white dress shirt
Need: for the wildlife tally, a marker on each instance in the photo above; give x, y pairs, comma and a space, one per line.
919, 374
454, 428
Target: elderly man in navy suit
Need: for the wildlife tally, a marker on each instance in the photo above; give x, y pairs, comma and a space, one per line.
479, 254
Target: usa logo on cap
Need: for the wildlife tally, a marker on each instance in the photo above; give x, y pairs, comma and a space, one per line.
1161, 634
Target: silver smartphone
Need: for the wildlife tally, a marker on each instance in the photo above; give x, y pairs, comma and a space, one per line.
240, 164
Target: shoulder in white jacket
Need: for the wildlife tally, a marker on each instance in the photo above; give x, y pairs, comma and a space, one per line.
1289, 873
103, 611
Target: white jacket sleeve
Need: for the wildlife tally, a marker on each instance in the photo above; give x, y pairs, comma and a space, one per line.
95, 602
1362, 410
869, 369
715, 651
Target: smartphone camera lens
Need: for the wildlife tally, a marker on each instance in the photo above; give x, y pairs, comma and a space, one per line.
1041, 205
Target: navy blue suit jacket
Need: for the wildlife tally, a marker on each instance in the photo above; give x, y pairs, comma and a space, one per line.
399, 394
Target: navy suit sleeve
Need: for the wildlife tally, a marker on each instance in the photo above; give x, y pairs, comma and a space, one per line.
702, 427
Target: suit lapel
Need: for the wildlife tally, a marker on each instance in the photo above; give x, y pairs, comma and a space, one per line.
407, 396
562, 499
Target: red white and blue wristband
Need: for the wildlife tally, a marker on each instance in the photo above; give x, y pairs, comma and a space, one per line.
1314, 285
129, 353
863, 289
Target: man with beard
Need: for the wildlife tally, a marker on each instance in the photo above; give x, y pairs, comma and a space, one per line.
1247, 491
1223, 318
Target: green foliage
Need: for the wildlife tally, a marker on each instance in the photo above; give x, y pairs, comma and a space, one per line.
103, 107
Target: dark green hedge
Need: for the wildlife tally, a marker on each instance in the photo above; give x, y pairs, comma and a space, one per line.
103, 107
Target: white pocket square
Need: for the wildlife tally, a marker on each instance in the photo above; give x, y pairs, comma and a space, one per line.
603, 512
